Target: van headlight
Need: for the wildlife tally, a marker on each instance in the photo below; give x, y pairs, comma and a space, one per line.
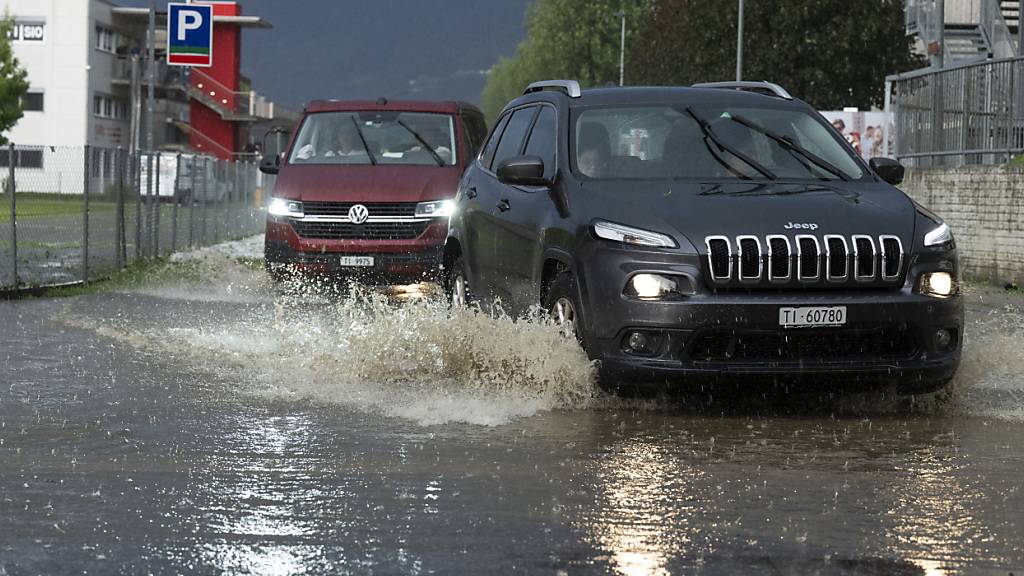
630, 235
435, 209
285, 208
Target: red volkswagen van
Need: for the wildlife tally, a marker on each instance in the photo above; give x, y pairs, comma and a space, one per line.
365, 188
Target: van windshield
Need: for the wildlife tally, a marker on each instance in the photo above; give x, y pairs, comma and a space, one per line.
708, 142
375, 138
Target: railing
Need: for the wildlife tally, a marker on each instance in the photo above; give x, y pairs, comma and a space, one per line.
242, 103
969, 114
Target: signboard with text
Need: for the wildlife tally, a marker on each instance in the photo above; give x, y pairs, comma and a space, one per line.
190, 35
27, 31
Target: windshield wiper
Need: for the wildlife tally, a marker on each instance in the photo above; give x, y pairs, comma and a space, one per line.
791, 146
709, 134
359, 131
437, 157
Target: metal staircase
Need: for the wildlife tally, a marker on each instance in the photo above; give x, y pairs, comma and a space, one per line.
972, 30
230, 105
1011, 13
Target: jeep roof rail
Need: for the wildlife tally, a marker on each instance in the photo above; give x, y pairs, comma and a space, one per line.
570, 87
760, 87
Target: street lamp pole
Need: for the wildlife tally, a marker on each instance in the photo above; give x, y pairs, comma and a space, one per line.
739, 45
622, 48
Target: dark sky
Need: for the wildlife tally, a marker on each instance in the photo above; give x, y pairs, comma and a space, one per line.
430, 49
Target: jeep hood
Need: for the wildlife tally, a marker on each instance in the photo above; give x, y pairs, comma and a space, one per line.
693, 210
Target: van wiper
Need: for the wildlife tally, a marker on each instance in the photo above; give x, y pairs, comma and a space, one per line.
437, 157
359, 131
788, 144
710, 135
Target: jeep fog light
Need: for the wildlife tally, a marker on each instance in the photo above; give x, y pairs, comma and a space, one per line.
652, 285
938, 284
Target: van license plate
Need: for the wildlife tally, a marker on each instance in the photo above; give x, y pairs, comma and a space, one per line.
812, 316
361, 261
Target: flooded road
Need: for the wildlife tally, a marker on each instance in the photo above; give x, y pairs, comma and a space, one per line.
209, 427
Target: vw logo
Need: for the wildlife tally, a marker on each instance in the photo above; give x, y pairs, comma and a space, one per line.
358, 214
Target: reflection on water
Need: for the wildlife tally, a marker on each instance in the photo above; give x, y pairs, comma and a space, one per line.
644, 511
262, 499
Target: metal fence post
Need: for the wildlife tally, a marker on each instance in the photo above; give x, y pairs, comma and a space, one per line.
137, 193
202, 207
13, 188
120, 243
192, 206
174, 203
155, 208
85, 213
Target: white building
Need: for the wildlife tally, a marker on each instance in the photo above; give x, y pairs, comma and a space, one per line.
78, 92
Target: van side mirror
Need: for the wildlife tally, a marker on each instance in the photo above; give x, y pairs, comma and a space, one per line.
887, 169
271, 164
522, 171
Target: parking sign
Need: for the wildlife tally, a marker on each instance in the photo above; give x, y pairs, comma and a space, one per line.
190, 35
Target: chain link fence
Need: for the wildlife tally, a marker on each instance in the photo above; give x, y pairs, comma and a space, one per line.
75, 214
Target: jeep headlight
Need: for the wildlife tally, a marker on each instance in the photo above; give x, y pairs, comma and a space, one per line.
630, 235
281, 208
939, 236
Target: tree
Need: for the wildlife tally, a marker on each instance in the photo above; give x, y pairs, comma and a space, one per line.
13, 81
831, 53
577, 39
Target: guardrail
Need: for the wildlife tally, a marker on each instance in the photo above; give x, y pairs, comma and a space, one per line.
231, 102
76, 214
968, 114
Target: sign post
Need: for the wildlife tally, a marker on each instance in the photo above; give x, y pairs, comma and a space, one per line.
190, 35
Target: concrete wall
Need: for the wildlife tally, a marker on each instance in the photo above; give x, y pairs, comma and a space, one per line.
984, 205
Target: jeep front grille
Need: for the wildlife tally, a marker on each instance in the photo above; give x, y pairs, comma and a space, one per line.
830, 260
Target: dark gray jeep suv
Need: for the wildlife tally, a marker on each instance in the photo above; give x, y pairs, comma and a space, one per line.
723, 231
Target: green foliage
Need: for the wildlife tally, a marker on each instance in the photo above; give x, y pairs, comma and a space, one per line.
831, 53
577, 39
13, 81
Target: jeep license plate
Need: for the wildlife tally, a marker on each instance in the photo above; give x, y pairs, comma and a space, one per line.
356, 261
812, 316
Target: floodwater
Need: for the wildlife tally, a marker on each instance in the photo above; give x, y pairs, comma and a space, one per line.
207, 426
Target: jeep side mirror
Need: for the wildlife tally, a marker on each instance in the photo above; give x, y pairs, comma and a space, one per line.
522, 171
887, 169
271, 164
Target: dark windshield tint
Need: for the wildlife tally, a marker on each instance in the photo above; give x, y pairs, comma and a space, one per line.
734, 143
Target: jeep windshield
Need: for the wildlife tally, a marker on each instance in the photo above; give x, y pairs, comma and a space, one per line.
375, 138
708, 143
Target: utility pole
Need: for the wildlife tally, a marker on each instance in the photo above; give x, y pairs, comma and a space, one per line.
151, 74
739, 45
622, 48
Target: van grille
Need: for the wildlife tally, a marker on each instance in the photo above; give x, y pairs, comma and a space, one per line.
805, 260
367, 231
374, 209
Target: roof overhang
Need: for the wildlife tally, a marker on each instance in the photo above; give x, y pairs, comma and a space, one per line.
142, 14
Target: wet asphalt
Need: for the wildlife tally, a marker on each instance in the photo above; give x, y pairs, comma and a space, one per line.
121, 455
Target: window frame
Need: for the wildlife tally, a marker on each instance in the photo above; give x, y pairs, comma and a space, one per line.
529, 134
492, 169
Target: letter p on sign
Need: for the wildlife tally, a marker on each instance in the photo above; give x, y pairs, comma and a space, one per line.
190, 34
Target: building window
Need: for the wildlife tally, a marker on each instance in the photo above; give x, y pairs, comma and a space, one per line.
22, 158
32, 102
106, 39
109, 107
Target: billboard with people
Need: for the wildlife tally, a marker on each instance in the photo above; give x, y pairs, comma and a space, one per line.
865, 131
